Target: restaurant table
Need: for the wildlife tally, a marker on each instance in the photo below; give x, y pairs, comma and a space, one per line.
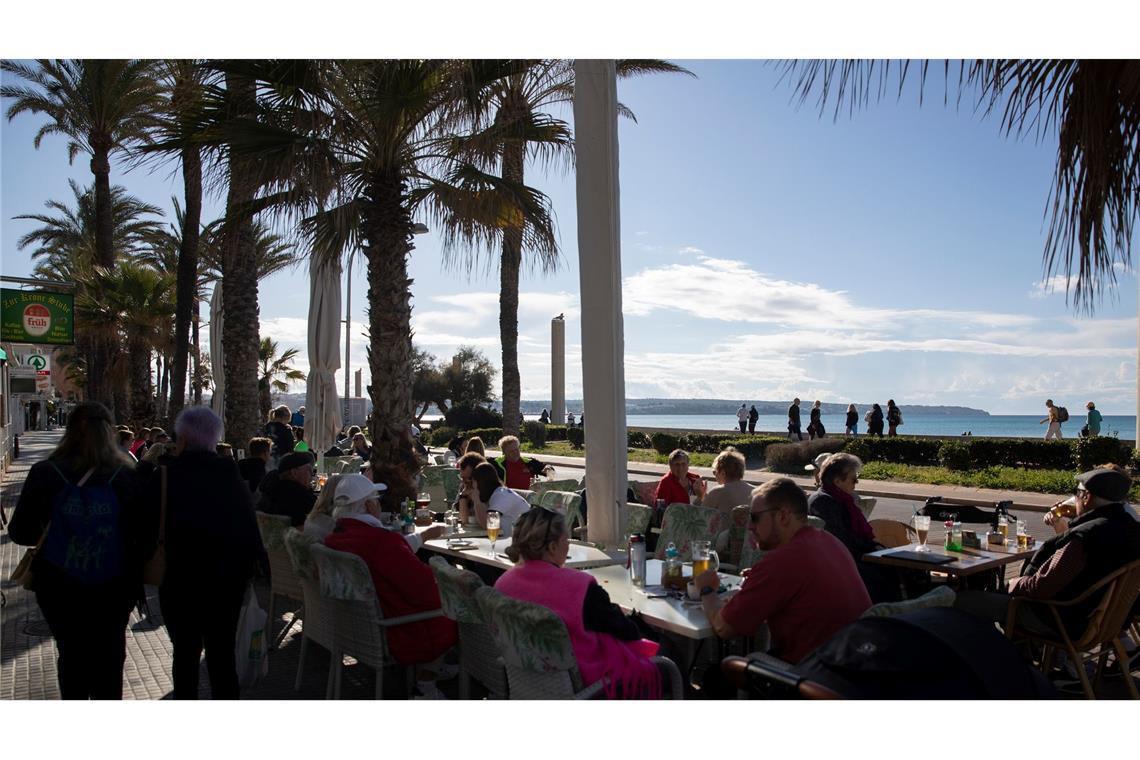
965, 563
581, 557
683, 617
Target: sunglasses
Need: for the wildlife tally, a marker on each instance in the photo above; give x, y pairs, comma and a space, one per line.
755, 516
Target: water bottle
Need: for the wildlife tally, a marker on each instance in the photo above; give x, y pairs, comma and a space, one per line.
637, 559
671, 573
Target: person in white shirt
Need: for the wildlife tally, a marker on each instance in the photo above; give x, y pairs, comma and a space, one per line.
742, 418
493, 496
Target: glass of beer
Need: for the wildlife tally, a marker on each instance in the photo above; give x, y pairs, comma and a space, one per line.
922, 528
1022, 534
493, 529
423, 501
701, 558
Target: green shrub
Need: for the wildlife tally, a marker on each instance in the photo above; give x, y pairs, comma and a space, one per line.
1099, 450
489, 435
663, 443
636, 439
1001, 478
534, 432
556, 432
703, 442
753, 447
439, 436
791, 457
576, 437
954, 455
468, 417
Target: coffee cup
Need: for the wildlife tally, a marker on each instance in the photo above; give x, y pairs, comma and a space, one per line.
692, 591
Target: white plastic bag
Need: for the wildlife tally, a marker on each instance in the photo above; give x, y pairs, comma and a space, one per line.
251, 649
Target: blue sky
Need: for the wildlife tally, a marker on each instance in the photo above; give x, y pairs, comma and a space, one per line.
766, 252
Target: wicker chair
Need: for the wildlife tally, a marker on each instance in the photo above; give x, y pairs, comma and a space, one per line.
569, 504
442, 483
645, 490
637, 517
735, 538
283, 579
891, 533
334, 465
542, 486
1106, 623
540, 660
358, 622
318, 625
478, 654
685, 523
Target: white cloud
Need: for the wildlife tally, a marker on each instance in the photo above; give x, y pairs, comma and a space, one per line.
690, 250
1057, 284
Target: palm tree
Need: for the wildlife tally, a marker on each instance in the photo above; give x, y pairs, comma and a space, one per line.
377, 138
521, 130
1094, 107
276, 373
103, 106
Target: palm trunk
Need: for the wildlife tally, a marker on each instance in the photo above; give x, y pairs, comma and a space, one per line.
196, 378
141, 400
187, 282
163, 400
387, 241
239, 297
104, 223
513, 162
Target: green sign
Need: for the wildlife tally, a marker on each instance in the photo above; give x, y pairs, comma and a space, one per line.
36, 316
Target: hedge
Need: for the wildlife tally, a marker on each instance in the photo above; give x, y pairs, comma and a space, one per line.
556, 432
1098, 450
977, 453
576, 436
489, 436
752, 446
636, 439
787, 457
920, 451
439, 436
534, 432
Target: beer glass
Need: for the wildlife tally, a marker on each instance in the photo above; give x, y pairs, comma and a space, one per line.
1022, 534
922, 528
704, 558
493, 529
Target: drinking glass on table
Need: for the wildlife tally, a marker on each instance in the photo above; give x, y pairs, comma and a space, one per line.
704, 558
1022, 534
922, 528
493, 529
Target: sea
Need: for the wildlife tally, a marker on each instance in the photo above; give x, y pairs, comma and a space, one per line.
992, 426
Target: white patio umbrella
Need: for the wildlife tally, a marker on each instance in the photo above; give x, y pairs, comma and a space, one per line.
599, 254
322, 407
217, 357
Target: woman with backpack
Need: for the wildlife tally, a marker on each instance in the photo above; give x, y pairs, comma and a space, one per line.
894, 418
95, 538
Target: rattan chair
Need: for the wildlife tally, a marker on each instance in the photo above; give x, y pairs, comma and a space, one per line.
479, 656
566, 502
536, 649
437, 481
892, 533
359, 624
1107, 622
637, 518
542, 486
283, 579
684, 523
318, 623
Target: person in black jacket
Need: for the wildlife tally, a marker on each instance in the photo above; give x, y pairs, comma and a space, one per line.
753, 415
212, 547
894, 418
87, 606
815, 425
794, 420
252, 468
875, 426
279, 431
287, 490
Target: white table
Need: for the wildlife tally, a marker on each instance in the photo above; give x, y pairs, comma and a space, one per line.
580, 557
684, 618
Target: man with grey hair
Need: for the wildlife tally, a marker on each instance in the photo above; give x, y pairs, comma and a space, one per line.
212, 547
404, 585
513, 470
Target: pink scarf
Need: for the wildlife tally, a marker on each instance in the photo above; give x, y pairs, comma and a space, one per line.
859, 525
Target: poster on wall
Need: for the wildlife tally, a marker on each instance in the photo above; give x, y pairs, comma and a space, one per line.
37, 316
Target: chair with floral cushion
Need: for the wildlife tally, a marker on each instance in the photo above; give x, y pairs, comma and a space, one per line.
283, 580
318, 623
538, 654
750, 553
685, 523
530, 496
568, 503
443, 485
637, 517
542, 486
645, 490
734, 538
478, 654
358, 622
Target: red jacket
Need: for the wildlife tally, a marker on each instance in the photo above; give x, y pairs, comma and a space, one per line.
673, 492
404, 586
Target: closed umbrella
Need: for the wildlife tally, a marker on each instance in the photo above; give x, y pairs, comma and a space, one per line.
217, 356
322, 407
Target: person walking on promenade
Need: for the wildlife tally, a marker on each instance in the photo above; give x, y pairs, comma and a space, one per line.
742, 418
753, 415
815, 424
794, 420
875, 424
852, 423
84, 496
894, 418
212, 548
1092, 421
1053, 432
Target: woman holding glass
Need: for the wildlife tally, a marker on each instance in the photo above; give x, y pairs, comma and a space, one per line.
606, 643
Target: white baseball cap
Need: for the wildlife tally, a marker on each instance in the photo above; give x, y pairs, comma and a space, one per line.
353, 488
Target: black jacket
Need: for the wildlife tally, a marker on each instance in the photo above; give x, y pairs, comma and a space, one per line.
837, 522
282, 436
252, 470
794, 414
212, 540
285, 497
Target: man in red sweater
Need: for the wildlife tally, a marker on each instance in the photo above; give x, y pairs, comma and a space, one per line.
404, 584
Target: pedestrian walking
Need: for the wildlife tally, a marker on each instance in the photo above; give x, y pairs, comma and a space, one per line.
894, 418
1092, 420
875, 423
742, 418
794, 420
1053, 432
852, 422
753, 415
815, 424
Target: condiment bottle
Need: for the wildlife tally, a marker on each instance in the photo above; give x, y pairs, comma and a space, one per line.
671, 574
949, 525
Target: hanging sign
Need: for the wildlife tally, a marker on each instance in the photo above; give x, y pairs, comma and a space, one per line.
31, 316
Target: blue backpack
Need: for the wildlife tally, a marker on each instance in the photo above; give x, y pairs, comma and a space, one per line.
84, 538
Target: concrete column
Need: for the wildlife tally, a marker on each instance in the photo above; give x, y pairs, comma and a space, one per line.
599, 256
558, 370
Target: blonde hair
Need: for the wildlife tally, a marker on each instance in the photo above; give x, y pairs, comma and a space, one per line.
731, 463
475, 445
155, 451
851, 408
534, 532
90, 440
324, 502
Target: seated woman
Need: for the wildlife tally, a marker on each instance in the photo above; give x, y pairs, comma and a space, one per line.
475, 445
680, 486
360, 447
732, 491
320, 521
835, 503
606, 643
492, 496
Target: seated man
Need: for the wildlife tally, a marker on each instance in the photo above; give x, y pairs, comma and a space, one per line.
404, 584
468, 494
1102, 538
252, 468
288, 489
513, 470
805, 587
